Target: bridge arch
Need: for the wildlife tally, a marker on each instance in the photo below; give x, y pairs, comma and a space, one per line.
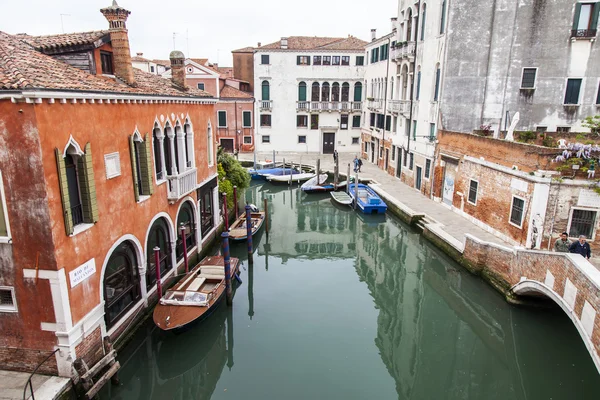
528, 287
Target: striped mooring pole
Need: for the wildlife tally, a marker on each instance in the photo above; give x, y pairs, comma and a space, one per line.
157, 271
227, 262
249, 233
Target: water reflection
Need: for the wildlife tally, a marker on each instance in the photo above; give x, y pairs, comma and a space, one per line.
334, 300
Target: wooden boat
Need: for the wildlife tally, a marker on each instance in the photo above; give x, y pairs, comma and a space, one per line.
238, 230
195, 296
265, 173
368, 202
313, 185
342, 198
301, 177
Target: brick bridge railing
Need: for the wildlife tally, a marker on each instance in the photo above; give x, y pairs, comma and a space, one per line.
568, 279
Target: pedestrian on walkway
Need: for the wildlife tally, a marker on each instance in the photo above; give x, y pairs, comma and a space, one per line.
581, 247
562, 244
335, 156
359, 164
355, 163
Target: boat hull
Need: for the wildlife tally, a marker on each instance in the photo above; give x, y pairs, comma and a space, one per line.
368, 201
238, 232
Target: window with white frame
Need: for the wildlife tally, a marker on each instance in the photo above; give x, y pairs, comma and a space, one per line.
159, 159
302, 139
222, 120
4, 227
598, 95
572, 91
582, 223
264, 59
247, 139
473, 187
201, 86
355, 140
427, 168
266, 139
247, 119
8, 301
302, 121
528, 78
517, 211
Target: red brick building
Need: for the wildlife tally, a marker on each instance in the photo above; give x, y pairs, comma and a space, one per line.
99, 164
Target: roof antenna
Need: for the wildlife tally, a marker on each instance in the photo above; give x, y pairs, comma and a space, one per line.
62, 25
174, 34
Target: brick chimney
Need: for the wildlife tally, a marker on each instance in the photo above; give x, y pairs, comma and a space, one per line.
259, 44
284, 43
178, 68
373, 34
116, 17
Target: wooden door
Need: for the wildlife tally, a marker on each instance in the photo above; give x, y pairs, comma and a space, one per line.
227, 145
328, 143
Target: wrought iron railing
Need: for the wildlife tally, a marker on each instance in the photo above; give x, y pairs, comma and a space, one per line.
29, 384
583, 33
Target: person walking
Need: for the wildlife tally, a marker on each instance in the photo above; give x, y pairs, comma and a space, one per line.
355, 163
335, 156
562, 244
359, 164
581, 247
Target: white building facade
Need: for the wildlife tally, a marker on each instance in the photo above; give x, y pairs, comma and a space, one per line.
309, 93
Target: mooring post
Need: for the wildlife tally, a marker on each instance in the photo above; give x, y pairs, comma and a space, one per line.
225, 215
184, 244
249, 233
291, 172
348, 180
273, 157
318, 171
266, 207
108, 348
157, 271
336, 173
255, 160
235, 202
227, 264
356, 190
284, 164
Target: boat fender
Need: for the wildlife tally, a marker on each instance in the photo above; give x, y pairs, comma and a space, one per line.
237, 277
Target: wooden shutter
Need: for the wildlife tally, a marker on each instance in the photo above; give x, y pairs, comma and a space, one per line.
247, 119
572, 93
437, 84
443, 19
418, 84
146, 166
357, 92
222, 119
576, 17
136, 189
64, 191
297, 60
595, 12
265, 91
87, 186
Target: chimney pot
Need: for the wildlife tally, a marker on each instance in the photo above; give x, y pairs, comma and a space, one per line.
178, 68
284, 43
258, 44
373, 34
117, 17
139, 54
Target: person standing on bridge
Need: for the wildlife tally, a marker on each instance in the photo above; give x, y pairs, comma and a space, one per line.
581, 247
563, 243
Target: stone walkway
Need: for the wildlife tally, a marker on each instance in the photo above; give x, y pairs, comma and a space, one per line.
451, 222
44, 387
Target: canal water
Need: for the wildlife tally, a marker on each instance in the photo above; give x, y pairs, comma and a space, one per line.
339, 305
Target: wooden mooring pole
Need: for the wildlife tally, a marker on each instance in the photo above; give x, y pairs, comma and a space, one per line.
184, 245
318, 170
348, 180
356, 190
225, 214
249, 233
227, 263
266, 208
336, 170
157, 271
235, 202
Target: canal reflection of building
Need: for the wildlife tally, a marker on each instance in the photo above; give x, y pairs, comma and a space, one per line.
184, 366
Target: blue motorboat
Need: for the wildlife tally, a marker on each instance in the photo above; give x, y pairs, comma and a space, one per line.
368, 202
265, 172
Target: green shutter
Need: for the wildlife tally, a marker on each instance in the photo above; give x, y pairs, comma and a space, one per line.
302, 92
87, 186
247, 119
357, 92
136, 189
64, 191
146, 166
222, 119
576, 17
297, 60
595, 12
265, 91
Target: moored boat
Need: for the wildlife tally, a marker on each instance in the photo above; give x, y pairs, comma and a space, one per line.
195, 296
238, 230
265, 173
368, 201
314, 185
301, 177
342, 198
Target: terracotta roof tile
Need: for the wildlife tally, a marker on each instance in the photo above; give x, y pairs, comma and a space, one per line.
318, 43
229, 92
139, 59
53, 42
22, 67
244, 50
166, 63
201, 61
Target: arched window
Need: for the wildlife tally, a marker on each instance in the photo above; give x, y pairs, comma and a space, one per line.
418, 91
423, 19
266, 91
335, 92
73, 184
358, 91
210, 145
404, 75
121, 283
187, 220
345, 91
436, 92
159, 161
315, 92
169, 149
189, 143
179, 148
443, 18
158, 237
325, 92
409, 19
302, 91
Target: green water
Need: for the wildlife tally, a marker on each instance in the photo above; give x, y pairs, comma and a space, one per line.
342, 306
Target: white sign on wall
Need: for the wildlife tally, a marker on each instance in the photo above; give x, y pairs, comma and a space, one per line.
588, 198
112, 163
518, 184
82, 272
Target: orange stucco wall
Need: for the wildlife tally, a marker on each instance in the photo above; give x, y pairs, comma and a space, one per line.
234, 124
107, 127
97, 60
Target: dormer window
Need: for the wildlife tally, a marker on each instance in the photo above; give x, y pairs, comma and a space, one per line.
106, 59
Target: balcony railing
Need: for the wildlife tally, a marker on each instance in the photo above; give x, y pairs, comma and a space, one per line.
182, 184
399, 107
302, 105
583, 33
375, 104
266, 104
403, 50
356, 106
340, 106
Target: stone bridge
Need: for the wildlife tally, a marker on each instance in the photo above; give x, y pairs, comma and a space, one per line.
567, 279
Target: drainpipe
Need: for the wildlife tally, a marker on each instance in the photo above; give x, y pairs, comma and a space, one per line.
412, 92
387, 74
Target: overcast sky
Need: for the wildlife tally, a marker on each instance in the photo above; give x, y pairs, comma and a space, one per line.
213, 27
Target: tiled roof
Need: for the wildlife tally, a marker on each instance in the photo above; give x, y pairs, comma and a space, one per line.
201, 61
166, 63
22, 67
229, 92
54, 42
139, 59
318, 43
244, 50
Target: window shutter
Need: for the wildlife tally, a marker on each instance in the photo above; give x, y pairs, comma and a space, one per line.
418, 84
437, 84
302, 93
136, 189
87, 184
146, 167
64, 192
307, 60
443, 20
357, 93
595, 12
576, 17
